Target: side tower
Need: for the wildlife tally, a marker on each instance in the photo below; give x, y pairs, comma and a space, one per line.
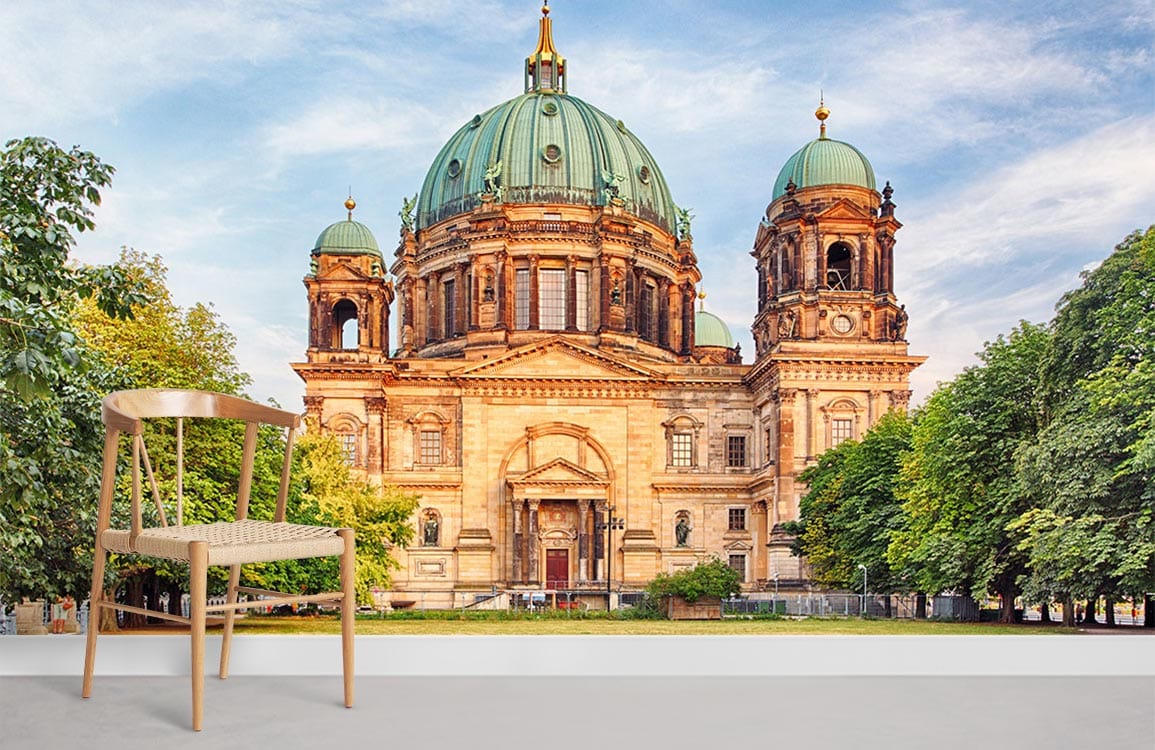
349, 296
831, 352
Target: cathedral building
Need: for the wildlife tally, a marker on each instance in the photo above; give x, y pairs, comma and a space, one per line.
570, 415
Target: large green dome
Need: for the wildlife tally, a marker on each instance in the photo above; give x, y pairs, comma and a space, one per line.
710, 330
550, 147
346, 238
824, 161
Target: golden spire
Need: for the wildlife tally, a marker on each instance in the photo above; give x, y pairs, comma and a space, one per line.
822, 113
701, 301
350, 204
545, 68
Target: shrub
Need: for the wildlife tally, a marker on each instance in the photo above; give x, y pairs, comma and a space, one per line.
712, 578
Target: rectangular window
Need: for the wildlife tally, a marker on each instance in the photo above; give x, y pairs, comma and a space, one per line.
348, 447
429, 450
582, 292
737, 519
450, 308
738, 564
681, 449
841, 430
735, 450
521, 299
551, 298
645, 313
769, 447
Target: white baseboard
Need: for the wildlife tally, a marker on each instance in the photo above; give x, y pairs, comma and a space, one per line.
598, 656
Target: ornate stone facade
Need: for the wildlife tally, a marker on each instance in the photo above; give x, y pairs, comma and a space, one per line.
546, 380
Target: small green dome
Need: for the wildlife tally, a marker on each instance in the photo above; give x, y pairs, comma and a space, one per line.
346, 237
710, 330
824, 161
549, 147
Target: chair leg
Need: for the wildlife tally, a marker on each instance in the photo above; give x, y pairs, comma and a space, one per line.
230, 616
94, 611
198, 593
348, 611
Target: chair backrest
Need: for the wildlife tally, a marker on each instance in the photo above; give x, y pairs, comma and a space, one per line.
124, 412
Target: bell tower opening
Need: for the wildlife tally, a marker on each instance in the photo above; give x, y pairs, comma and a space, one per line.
345, 328
838, 267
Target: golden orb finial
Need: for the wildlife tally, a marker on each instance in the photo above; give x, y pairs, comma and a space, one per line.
545, 8
701, 301
350, 204
822, 113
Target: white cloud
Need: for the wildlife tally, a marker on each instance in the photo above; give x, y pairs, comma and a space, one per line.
1076, 192
65, 60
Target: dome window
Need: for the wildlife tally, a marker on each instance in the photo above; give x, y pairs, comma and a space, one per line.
549, 107
551, 153
475, 121
644, 174
454, 168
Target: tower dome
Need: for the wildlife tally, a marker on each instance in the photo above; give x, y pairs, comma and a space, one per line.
710, 330
824, 161
346, 237
545, 146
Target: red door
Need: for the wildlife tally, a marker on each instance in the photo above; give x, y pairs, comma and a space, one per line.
557, 569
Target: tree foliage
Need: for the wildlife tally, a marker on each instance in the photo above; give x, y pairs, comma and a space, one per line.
1091, 469
381, 517
959, 487
850, 511
711, 578
50, 383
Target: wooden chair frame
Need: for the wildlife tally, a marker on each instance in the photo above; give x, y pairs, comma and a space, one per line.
239, 542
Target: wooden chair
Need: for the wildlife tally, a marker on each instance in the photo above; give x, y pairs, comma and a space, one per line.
227, 543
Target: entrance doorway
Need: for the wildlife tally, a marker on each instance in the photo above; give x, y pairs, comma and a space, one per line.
557, 569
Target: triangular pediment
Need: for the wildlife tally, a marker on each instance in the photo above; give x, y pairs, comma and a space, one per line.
844, 209
341, 272
556, 359
559, 471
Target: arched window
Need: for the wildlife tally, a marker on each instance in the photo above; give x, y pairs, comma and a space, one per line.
347, 429
345, 329
838, 266
429, 439
682, 442
842, 421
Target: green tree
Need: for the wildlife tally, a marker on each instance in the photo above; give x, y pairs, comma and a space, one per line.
163, 345
50, 431
381, 517
847, 517
959, 487
1091, 470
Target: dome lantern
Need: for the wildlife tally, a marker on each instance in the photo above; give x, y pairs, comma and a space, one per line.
545, 68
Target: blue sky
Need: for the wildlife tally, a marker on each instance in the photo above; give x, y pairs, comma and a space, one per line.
1019, 136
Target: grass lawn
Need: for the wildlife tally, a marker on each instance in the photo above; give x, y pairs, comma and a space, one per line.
555, 625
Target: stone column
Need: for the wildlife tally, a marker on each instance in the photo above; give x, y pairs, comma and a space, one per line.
811, 424
583, 508
571, 292
515, 574
501, 285
460, 309
532, 542
872, 412
664, 313
687, 319
377, 449
534, 293
782, 507
605, 285
599, 543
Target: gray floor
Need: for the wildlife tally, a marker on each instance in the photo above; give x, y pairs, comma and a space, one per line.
582, 712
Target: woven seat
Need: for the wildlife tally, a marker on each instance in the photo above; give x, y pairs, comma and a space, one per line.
227, 543
231, 543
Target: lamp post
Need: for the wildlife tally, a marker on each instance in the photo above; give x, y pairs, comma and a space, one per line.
862, 610
609, 525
